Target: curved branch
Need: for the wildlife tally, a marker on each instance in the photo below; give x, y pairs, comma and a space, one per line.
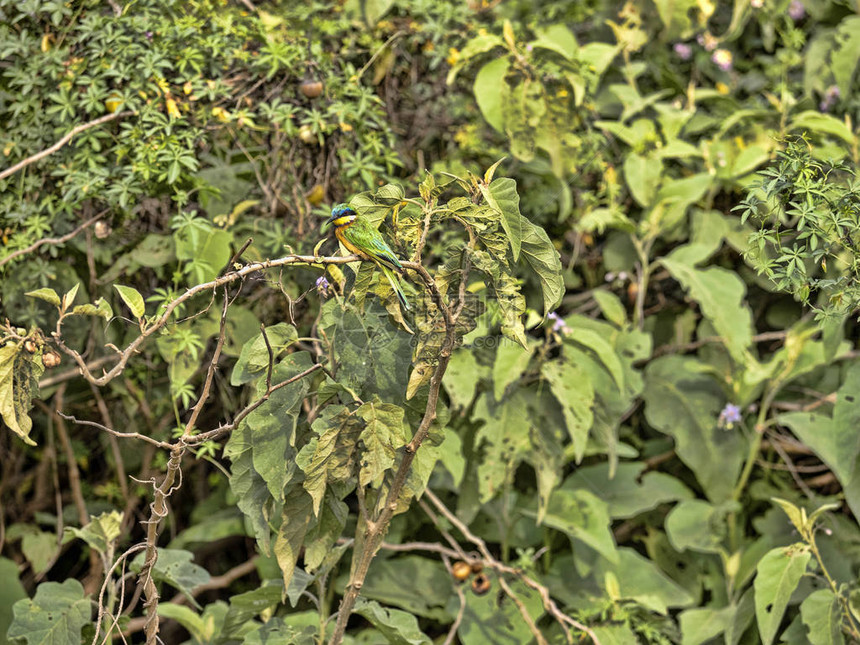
51, 240
164, 318
49, 151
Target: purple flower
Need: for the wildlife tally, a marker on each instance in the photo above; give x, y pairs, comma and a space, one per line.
796, 10
722, 58
831, 95
558, 324
322, 285
148, 35
683, 51
730, 415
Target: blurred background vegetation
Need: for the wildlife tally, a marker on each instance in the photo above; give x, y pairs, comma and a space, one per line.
692, 162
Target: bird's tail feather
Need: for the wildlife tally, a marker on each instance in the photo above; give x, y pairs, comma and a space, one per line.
395, 284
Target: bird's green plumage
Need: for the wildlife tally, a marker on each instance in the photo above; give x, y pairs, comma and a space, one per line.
362, 238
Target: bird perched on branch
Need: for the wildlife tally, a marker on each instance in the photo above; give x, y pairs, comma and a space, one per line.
360, 237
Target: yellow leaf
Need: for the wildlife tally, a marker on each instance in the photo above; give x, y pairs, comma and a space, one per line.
172, 108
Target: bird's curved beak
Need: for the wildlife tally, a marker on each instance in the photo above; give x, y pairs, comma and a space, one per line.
331, 219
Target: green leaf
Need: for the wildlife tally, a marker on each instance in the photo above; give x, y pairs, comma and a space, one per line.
254, 358
629, 492
205, 252
489, 622
582, 516
421, 586
324, 534
640, 580
46, 294
186, 617
793, 513
54, 617
701, 625
572, 388
502, 439
611, 306
778, 574
174, 566
643, 177
245, 606
822, 123
11, 591
604, 350
132, 299
511, 361
696, 525
100, 533
383, 434
296, 517
398, 627
821, 612
330, 457
462, 377
69, 297
19, 382
488, 91
501, 195
544, 260
476, 46
720, 293
684, 402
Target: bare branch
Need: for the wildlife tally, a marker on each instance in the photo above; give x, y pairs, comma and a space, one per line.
49, 151
164, 318
51, 240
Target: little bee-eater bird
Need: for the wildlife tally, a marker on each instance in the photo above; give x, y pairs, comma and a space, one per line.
360, 237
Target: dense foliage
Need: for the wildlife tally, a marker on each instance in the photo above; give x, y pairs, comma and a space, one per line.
622, 406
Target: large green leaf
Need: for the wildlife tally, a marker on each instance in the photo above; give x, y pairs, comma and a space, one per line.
720, 293
778, 574
11, 591
254, 357
174, 566
629, 492
821, 612
501, 195
296, 517
55, 616
486, 621
398, 627
684, 402
19, 383
544, 260
639, 579
101, 531
572, 388
701, 625
696, 525
488, 91
582, 516
384, 432
421, 586
643, 177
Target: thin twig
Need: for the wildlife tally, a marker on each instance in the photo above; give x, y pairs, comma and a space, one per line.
489, 560
49, 151
164, 318
122, 435
51, 240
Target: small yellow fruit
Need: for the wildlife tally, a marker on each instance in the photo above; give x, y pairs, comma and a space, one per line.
50, 359
306, 134
102, 229
113, 102
461, 570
